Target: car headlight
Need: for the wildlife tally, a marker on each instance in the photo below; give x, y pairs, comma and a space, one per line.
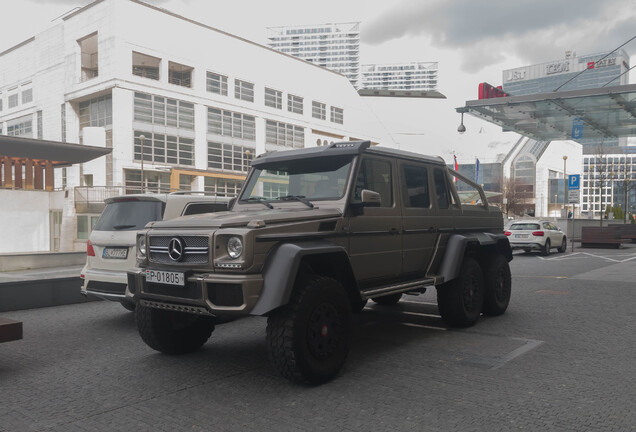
141, 246
234, 247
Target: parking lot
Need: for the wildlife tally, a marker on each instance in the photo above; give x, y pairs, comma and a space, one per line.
560, 359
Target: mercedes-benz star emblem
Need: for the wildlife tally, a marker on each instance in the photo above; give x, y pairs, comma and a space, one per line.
175, 249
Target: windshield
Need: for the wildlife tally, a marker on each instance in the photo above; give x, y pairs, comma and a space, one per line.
308, 179
129, 215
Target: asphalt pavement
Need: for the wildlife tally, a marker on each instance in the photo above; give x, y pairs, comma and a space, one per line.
560, 359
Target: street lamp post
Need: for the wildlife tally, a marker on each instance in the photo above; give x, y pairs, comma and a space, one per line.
142, 138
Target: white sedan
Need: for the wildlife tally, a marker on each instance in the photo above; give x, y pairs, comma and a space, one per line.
536, 235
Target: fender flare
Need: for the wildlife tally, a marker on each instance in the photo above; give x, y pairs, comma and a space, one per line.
458, 244
281, 268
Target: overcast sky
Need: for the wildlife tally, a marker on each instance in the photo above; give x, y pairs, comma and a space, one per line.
473, 41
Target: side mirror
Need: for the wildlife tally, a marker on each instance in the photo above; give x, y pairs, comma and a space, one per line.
231, 202
370, 198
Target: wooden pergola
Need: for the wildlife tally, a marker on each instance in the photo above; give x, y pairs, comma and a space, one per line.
27, 163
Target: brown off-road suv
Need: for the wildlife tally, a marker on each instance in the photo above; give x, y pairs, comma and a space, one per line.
313, 235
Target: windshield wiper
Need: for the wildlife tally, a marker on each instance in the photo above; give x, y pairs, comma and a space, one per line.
121, 227
300, 198
261, 200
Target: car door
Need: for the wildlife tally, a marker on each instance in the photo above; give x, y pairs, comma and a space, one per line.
375, 241
418, 218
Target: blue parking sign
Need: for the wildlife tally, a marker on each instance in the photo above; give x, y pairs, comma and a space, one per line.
574, 182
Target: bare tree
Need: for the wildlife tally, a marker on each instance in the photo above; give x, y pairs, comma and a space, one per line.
600, 176
513, 197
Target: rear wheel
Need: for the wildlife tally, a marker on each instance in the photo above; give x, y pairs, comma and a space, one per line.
497, 285
308, 339
388, 300
460, 301
564, 245
173, 332
546, 248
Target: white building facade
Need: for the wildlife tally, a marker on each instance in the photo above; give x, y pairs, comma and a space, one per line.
334, 46
403, 76
199, 103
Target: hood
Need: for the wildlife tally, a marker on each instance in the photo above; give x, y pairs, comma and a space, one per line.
240, 219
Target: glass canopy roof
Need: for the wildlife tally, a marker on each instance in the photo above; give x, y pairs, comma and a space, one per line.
568, 115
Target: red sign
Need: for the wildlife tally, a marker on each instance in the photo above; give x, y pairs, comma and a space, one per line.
486, 91
590, 65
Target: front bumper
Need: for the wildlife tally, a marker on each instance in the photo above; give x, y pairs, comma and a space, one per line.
203, 293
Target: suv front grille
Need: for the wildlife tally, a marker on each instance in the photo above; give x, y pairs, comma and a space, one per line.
195, 249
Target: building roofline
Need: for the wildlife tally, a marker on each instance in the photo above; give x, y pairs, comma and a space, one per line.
29, 40
191, 21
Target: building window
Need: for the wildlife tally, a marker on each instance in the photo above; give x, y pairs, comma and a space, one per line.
244, 90
163, 111
162, 148
232, 124
229, 157
40, 131
63, 121
21, 127
13, 97
337, 115
273, 98
90, 57
179, 74
284, 134
222, 187
318, 110
27, 94
294, 104
145, 66
216, 83
85, 224
96, 112
154, 181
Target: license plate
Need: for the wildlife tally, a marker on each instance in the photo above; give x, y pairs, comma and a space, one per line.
521, 235
165, 277
115, 253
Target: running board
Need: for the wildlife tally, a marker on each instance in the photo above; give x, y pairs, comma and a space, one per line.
399, 288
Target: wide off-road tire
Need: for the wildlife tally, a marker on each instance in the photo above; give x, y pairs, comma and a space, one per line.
546, 248
308, 339
388, 300
173, 332
497, 285
564, 245
460, 300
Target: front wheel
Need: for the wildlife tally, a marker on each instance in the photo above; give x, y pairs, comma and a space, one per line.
172, 332
308, 339
460, 301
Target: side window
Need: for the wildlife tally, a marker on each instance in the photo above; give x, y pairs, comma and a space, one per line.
375, 175
198, 208
416, 184
441, 188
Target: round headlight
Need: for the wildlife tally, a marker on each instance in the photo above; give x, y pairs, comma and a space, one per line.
234, 247
141, 245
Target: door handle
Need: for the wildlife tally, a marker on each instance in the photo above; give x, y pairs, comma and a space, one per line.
394, 231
